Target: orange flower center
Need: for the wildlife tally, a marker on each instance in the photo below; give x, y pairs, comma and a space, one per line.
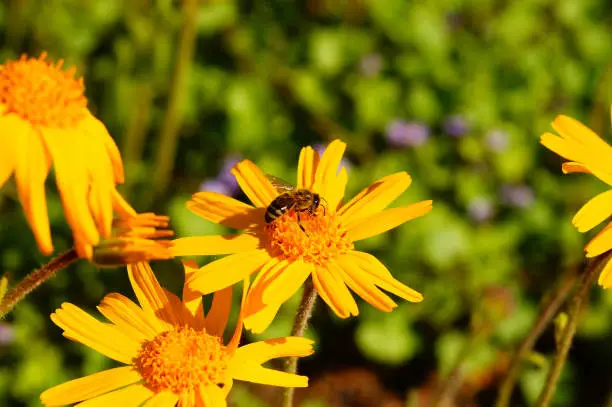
41, 93
323, 238
181, 360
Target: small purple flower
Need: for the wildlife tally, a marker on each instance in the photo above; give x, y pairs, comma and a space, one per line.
215, 185
226, 176
370, 65
480, 209
456, 126
7, 334
497, 140
401, 133
320, 148
520, 196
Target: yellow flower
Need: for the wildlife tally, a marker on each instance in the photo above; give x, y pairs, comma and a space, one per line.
285, 255
44, 120
173, 352
588, 154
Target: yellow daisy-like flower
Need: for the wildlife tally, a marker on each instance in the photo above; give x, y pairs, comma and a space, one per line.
285, 255
44, 120
174, 352
590, 154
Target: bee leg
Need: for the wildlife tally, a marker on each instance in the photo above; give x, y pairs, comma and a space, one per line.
299, 222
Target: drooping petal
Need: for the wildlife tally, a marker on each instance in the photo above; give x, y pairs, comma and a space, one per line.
594, 212
90, 386
263, 351
131, 396
388, 219
284, 285
601, 243
210, 396
122, 207
193, 300
213, 245
10, 140
327, 170
129, 317
163, 399
362, 287
376, 197
98, 131
151, 295
216, 319
254, 183
379, 275
226, 211
227, 271
104, 338
31, 170
255, 373
334, 293
307, 167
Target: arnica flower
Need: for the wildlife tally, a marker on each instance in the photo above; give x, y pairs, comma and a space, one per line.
174, 352
44, 120
285, 255
588, 153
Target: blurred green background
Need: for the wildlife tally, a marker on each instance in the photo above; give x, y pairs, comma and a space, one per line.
456, 92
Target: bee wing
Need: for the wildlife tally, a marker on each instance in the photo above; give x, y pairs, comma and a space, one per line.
280, 184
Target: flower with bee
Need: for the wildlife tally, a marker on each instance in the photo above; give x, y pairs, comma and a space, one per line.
293, 234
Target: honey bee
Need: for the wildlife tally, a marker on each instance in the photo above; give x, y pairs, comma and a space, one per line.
300, 200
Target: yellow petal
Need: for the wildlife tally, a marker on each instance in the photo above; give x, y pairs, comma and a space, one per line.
571, 167
254, 183
233, 343
104, 338
334, 293
212, 245
572, 129
327, 170
151, 295
226, 211
362, 287
216, 319
227, 271
284, 285
258, 321
129, 317
97, 129
10, 140
131, 396
31, 170
336, 190
90, 386
263, 351
371, 268
72, 180
376, 197
188, 399
122, 207
252, 372
594, 212
210, 396
163, 399
601, 243
268, 273
383, 221
605, 277
307, 166
192, 300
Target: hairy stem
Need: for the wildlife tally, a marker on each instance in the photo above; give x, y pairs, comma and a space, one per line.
299, 327
34, 279
578, 301
548, 311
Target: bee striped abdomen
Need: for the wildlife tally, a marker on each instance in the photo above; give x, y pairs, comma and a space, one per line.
279, 206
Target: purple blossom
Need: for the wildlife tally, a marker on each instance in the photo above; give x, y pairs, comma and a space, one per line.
480, 209
401, 133
456, 126
7, 334
226, 176
370, 65
497, 140
520, 196
216, 185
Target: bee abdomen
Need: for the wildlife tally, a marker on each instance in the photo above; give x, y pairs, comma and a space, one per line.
275, 210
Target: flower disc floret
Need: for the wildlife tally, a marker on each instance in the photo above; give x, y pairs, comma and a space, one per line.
41, 93
181, 360
324, 238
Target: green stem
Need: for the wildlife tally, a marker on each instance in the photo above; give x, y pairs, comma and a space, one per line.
34, 279
578, 301
547, 313
300, 323
166, 149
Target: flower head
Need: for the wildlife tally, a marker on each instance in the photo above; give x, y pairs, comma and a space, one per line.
44, 121
588, 153
173, 351
319, 245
